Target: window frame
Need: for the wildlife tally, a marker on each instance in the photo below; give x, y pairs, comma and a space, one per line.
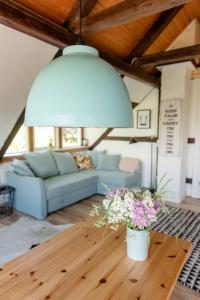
58, 143
61, 138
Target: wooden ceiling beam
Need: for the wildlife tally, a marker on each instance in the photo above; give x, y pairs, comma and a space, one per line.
73, 18
153, 33
24, 20
125, 12
168, 57
130, 70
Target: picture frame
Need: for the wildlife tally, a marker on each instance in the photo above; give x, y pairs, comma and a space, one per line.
144, 118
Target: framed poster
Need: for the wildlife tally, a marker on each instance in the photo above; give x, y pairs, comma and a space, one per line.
170, 127
144, 119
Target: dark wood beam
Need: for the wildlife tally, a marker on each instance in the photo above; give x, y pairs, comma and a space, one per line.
101, 138
131, 139
125, 12
12, 134
25, 20
73, 18
153, 33
168, 57
134, 104
130, 70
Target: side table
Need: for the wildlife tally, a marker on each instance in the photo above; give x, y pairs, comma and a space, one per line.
6, 200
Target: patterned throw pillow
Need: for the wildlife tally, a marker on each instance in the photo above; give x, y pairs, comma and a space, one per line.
83, 162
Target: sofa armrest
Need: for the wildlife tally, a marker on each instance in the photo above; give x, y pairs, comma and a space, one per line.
30, 195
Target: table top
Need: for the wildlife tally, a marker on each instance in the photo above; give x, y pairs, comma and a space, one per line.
84, 262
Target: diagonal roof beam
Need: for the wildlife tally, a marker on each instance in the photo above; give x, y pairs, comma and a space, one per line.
168, 57
125, 12
25, 20
153, 33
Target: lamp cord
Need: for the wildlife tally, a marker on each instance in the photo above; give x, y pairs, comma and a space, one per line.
80, 38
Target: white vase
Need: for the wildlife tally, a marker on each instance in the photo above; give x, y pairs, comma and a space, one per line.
137, 244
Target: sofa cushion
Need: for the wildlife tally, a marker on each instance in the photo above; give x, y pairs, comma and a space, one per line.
21, 168
43, 164
60, 185
117, 178
109, 162
94, 154
65, 163
84, 162
128, 164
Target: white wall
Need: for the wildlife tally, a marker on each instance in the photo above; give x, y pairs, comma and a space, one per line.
137, 92
21, 58
193, 159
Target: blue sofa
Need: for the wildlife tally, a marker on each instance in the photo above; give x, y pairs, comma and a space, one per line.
38, 197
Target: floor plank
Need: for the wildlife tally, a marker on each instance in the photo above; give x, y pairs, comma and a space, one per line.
75, 213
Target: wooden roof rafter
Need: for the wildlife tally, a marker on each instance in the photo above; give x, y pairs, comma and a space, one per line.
24, 20
125, 12
153, 33
169, 57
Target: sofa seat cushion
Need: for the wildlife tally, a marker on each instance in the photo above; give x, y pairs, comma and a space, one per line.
116, 178
60, 185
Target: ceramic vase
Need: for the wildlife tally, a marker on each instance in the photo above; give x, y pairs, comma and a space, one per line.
137, 244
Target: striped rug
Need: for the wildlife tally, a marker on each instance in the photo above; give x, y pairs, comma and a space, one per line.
184, 224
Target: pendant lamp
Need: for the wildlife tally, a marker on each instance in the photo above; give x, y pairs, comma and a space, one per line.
79, 89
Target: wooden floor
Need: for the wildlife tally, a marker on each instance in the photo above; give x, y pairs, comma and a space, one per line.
78, 211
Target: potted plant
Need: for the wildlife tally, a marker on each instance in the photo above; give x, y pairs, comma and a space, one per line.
138, 209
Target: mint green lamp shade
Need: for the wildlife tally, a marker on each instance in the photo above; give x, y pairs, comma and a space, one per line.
79, 89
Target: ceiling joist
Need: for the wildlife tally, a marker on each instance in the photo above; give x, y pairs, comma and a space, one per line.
125, 12
24, 20
169, 57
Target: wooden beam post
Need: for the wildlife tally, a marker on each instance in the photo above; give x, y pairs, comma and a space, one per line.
126, 11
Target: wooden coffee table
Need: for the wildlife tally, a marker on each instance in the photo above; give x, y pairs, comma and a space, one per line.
84, 262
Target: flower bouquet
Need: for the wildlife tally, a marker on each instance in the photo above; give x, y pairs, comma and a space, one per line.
136, 208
